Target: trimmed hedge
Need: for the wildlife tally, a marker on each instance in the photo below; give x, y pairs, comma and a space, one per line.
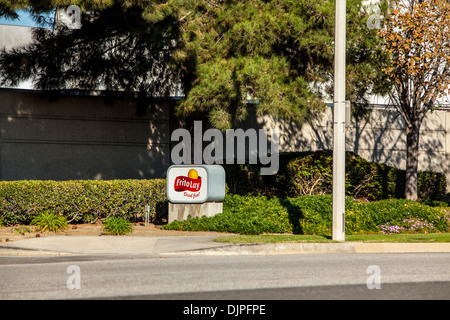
313, 215
81, 201
310, 173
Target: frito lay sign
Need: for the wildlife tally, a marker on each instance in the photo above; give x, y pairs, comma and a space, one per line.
192, 184
187, 184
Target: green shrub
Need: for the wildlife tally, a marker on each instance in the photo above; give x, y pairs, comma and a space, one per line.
313, 215
431, 185
50, 222
363, 217
117, 226
310, 173
241, 214
83, 201
245, 179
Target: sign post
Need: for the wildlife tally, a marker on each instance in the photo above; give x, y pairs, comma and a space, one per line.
195, 191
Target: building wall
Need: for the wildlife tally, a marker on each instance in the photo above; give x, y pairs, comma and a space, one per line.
380, 137
14, 36
80, 137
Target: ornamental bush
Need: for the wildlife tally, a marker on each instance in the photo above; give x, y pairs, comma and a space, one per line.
81, 201
243, 215
117, 226
50, 222
311, 173
313, 215
362, 217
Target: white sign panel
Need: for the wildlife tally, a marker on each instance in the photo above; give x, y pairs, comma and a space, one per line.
187, 184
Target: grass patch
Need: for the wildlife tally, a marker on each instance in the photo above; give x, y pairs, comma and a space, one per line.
418, 237
293, 238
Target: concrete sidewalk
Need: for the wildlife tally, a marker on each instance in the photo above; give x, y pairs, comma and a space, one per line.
108, 245
196, 245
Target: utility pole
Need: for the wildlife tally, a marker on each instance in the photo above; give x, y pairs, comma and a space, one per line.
338, 231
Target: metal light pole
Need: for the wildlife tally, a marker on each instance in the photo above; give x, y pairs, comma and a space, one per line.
338, 232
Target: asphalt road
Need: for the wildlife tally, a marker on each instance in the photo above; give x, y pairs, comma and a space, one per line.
330, 276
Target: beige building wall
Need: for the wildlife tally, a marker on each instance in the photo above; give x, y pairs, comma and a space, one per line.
380, 137
14, 36
82, 137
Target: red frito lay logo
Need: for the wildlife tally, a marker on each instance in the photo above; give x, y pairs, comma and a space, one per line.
191, 183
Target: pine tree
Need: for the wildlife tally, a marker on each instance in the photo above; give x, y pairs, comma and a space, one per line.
278, 53
222, 53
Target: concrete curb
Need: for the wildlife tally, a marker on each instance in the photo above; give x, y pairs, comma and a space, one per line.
400, 247
198, 245
320, 248
12, 251
272, 249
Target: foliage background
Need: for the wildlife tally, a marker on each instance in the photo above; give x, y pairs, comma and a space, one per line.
253, 205
218, 55
310, 173
313, 215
